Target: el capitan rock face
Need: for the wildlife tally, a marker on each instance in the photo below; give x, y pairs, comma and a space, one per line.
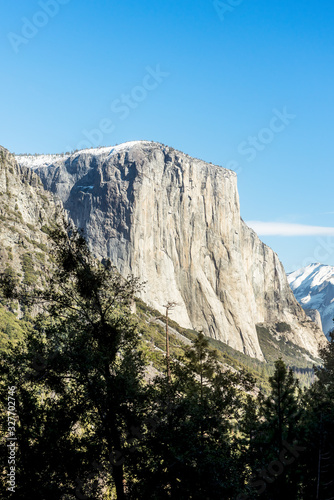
174, 222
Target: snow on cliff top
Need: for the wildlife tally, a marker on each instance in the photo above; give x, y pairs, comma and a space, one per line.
125, 146
37, 161
45, 160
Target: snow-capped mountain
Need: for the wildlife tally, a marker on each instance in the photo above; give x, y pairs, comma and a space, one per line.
313, 287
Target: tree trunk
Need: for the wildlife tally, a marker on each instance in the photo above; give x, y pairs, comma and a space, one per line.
118, 475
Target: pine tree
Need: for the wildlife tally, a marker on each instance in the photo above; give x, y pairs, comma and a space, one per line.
82, 375
318, 426
192, 451
280, 409
275, 429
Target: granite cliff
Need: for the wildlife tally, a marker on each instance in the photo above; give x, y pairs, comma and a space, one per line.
174, 221
26, 212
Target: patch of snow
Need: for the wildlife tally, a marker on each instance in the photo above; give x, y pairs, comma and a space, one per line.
85, 187
38, 161
111, 150
307, 299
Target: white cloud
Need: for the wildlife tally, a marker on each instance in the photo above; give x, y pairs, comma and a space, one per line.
287, 229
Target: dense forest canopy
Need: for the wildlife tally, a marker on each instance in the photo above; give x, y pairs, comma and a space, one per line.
89, 422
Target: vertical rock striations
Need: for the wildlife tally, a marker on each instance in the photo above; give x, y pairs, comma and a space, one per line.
174, 221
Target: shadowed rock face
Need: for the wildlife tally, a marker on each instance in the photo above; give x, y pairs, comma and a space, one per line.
174, 222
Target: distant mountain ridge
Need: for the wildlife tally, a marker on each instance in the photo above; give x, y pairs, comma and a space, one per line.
313, 287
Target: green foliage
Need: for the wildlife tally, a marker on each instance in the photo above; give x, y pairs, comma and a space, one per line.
192, 451
267, 427
155, 334
9, 253
11, 215
317, 469
41, 246
12, 330
79, 373
82, 360
28, 269
40, 257
280, 408
282, 327
44, 198
45, 229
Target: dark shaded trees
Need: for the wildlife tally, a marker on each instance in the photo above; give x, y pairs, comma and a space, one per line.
270, 430
88, 426
191, 451
318, 425
79, 377
280, 409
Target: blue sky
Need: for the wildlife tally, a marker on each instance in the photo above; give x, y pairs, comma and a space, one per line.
246, 84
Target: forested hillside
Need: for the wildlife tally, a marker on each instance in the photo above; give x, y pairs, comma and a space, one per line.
76, 385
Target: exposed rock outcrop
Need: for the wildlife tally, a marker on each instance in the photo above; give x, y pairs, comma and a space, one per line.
174, 221
315, 316
26, 210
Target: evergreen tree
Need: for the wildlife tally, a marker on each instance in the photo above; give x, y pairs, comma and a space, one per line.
280, 409
318, 425
81, 383
192, 452
275, 431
